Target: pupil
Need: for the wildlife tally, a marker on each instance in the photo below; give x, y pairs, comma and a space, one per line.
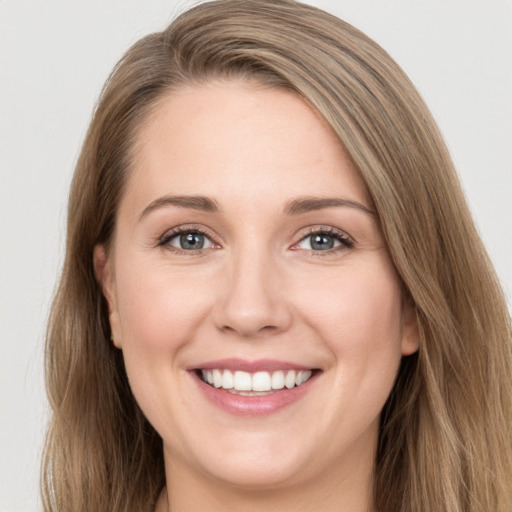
192, 241
322, 242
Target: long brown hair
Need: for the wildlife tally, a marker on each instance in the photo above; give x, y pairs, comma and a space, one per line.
445, 436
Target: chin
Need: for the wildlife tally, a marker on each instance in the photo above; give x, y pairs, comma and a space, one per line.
252, 477
264, 464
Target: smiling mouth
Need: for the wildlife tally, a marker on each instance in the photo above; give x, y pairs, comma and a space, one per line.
254, 384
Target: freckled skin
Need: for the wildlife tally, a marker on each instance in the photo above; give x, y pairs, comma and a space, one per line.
256, 290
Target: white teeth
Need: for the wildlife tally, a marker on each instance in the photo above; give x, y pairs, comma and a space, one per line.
289, 380
227, 380
261, 381
242, 381
306, 375
217, 378
278, 380
258, 382
302, 376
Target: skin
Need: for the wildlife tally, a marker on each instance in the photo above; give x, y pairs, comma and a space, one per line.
257, 290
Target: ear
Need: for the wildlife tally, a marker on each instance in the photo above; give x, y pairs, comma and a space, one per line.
104, 272
410, 331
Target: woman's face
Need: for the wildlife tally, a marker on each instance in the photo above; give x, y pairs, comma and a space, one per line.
247, 254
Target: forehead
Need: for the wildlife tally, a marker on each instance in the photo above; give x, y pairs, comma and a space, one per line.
238, 138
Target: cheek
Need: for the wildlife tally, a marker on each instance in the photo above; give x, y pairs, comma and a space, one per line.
158, 309
358, 305
160, 313
358, 316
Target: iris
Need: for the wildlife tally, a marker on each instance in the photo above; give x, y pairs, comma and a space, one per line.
321, 242
192, 241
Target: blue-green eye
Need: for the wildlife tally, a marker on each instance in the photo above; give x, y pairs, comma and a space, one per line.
323, 241
190, 240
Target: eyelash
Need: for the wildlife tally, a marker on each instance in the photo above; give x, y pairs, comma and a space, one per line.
181, 230
346, 242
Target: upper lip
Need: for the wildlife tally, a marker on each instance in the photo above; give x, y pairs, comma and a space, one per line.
244, 365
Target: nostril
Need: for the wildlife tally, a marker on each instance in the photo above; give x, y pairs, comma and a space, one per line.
251, 305
246, 331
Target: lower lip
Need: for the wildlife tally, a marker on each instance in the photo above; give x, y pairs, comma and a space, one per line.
253, 405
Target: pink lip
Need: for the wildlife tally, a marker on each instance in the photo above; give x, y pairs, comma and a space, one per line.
252, 405
259, 365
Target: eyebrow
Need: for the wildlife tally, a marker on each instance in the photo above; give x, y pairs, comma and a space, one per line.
295, 207
201, 203
308, 204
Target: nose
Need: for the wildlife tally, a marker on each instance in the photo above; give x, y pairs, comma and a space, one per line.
253, 301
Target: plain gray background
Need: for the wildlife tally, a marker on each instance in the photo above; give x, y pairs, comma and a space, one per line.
55, 56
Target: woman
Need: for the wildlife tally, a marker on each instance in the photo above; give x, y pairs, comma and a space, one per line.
273, 294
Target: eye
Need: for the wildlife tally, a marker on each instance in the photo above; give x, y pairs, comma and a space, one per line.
323, 241
187, 240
